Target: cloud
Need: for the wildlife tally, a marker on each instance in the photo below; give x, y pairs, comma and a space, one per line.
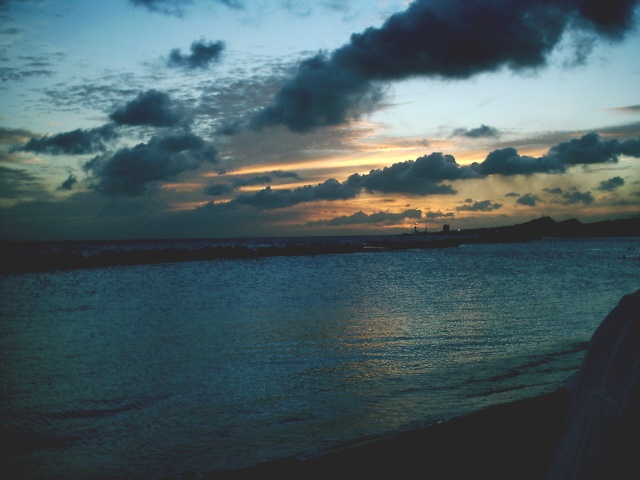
528, 200
633, 109
611, 184
571, 198
153, 108
361, 218
507, 161
167, 7
586, 150
203, 53
284, 174
439, 214
76, 142
481, 206
149, 108
328, 190
20, 184
590, 149
424, 176
445, 39
29, 66
133, 171
14, 136
178, 8
218, 189
69, 183
483, 131
419, 177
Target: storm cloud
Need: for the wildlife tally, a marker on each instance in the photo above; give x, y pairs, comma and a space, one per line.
133, 171
152, 108
444, 39
202, 54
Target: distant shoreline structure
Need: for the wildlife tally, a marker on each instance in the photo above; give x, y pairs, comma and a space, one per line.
14, 260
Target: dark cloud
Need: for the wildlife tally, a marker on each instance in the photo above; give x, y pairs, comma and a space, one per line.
231, 128
590, 149
628, 109
611, 184
419, 177
225, 188
14, 136
248, 182
69, 183
168, 7
29, 66
445, 39
508, 161
218, 189
512, 194
202, 54
483, 131
76, 142
284, 174
571, 198
528, 200
133, 171
235, 4
178, 8
481, 206
19, 184
320, 94
328, 190
439, 214
153, 108
586, 150
554, 191
378, 218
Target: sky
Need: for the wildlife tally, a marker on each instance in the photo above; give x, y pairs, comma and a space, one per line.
139, 119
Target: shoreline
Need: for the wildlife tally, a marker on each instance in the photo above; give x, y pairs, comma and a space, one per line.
510, 440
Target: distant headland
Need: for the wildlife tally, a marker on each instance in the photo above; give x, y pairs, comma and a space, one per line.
547, 227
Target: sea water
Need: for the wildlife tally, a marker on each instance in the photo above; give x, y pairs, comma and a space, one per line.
149, 371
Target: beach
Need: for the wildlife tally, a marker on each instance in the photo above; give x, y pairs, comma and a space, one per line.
513, 440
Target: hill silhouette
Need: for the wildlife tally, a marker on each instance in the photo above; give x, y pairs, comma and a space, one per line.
548, 227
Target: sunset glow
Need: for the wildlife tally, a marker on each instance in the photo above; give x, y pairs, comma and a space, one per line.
215, 118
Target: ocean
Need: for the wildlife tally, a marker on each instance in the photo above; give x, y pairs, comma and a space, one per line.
156, 370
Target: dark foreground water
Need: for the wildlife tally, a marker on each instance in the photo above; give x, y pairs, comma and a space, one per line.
148, 371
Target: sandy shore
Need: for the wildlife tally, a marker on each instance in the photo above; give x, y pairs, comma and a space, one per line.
514, 440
